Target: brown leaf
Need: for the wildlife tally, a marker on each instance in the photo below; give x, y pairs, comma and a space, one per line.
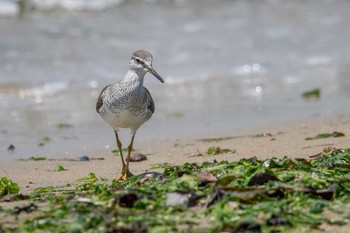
327, 193
315, 155
206, 177
261, 178
338, 134
224, 181
128, 200
275, 221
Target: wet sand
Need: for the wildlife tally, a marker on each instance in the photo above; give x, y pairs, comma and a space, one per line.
263, 142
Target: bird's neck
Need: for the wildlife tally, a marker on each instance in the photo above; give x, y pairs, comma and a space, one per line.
134, 77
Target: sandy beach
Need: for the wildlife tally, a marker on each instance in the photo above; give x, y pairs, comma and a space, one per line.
254, 80
264, 142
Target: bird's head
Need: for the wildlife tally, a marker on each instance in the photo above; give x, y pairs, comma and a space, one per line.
141, 61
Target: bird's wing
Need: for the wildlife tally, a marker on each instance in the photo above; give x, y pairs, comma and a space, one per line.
151, 103
99, 102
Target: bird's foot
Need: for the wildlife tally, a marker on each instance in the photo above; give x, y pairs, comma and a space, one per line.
124, 175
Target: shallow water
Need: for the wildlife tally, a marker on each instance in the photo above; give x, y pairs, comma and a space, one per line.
227, 65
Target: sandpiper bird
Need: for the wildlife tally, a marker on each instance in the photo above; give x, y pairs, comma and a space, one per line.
127, 103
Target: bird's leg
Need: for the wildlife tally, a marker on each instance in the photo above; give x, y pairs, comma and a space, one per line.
125, 172
128, 159
119, 144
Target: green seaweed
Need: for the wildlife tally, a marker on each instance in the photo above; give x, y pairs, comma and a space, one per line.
34, 158
7, 186
249, 195
218, 139
60, 168
312, 94
217, 150
161, 165
335, 134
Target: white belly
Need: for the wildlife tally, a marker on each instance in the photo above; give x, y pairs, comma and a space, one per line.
125, 119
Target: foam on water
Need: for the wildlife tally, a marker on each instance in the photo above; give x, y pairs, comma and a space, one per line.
249, 69
8, 8
74, 5
40, 92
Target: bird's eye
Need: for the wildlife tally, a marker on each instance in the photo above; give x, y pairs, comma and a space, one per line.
137, 60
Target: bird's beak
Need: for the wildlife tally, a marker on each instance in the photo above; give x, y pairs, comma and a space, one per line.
152, 71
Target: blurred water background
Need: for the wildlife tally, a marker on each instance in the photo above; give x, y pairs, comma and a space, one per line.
228, 65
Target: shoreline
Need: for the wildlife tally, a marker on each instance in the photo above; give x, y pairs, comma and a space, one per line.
279, 140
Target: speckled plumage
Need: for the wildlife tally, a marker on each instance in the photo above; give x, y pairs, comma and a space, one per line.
127, 103
126, 97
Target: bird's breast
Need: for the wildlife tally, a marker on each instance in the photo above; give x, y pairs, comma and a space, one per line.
126, 119
125, 108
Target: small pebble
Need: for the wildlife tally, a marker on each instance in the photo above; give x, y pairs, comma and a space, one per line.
137, 157
149, 175
84, 158
177, 199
